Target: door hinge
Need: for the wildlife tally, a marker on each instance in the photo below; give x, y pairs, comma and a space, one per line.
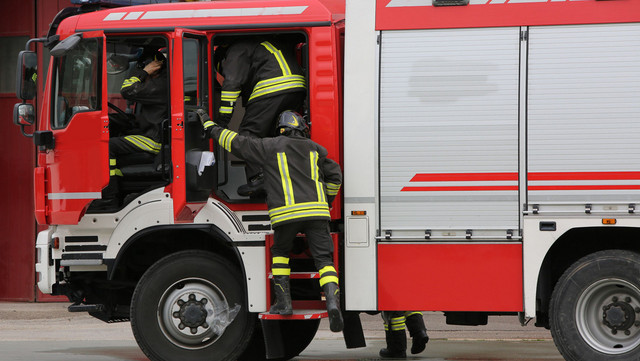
524, 35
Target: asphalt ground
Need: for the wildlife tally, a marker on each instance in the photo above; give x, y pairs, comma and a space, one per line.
50, 332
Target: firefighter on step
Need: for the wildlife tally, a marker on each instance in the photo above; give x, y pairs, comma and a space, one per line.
147, 87
300, 182
395, 323
265, 72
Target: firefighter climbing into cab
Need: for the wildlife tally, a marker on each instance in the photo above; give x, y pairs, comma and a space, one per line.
265, 73
300, 184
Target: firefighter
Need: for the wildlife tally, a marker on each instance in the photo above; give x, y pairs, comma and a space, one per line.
395, 323
266, 74
147, 87
300, 183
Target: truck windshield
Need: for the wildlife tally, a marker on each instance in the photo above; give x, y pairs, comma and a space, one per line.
75, 80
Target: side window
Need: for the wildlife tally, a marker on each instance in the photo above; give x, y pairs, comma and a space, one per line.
191, 62
76, 82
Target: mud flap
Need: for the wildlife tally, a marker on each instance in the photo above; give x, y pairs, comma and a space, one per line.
273, 342
352, 332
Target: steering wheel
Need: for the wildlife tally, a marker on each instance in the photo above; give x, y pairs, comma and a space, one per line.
120, 121
118, 110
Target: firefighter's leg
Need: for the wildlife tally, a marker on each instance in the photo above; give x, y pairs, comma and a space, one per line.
283, 237
396, 337
259, 121
321, 247
417, 331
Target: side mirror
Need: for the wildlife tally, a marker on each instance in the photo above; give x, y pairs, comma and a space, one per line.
27, 75
23, 114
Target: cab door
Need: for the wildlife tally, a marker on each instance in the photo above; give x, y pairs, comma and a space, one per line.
75, 165
190, 80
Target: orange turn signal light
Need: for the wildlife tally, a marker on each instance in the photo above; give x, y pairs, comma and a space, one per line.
608, 221
358, 213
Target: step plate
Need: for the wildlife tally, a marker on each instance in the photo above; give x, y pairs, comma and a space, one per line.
297, 315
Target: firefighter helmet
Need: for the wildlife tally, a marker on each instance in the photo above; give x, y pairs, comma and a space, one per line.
290, 121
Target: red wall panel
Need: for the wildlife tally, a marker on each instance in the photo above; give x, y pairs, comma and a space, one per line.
17, 160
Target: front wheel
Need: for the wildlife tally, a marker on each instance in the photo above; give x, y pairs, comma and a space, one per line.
595, 308
190, 306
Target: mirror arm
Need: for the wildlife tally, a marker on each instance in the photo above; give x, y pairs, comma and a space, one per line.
36, 40
25, 133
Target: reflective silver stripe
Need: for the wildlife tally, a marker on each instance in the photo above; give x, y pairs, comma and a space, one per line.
207, 13
75, 195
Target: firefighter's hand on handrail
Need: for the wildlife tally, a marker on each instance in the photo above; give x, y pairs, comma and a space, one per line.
204, 118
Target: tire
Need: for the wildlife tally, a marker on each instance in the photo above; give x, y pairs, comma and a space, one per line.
296, 334
594, 312
177, 302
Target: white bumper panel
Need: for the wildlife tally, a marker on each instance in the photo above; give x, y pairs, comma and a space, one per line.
45, 273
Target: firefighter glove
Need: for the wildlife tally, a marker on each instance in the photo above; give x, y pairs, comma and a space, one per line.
204, 119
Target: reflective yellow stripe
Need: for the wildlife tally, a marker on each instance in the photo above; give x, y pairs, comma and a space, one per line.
328, 279
279, 80
315, 175
130, 81
305, 206
287, 186
144, 143
297, 215
279, 57
226, 137
326, 269
398, 327
112, 162
208, 124
397, 320
226, 110
332, 189
229, 96
284, 260
116, 172
409, 313
281, 271
274, 85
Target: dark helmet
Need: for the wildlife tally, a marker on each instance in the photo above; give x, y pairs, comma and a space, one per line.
290, 122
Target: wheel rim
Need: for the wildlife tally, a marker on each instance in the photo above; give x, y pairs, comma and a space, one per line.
192, 312
608, 316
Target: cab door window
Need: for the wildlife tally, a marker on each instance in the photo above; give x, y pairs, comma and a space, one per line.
75, 82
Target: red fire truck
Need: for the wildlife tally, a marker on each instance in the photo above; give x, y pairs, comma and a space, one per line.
491, 161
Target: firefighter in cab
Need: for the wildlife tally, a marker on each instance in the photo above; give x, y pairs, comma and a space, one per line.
266, 74
300, 184
147, 88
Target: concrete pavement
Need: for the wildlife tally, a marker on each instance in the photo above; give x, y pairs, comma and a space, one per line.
49, 331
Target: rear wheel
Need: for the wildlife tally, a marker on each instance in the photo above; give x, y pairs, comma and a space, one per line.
595, 308
190, 306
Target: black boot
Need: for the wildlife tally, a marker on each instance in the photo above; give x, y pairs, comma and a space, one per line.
332, 295
283, 296
396, 344
418, 332
254, 188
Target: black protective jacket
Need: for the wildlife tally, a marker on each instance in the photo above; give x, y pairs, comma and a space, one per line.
259, 69
300, 181
151, 95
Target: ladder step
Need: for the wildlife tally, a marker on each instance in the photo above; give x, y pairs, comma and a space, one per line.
301, 275
297, 315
